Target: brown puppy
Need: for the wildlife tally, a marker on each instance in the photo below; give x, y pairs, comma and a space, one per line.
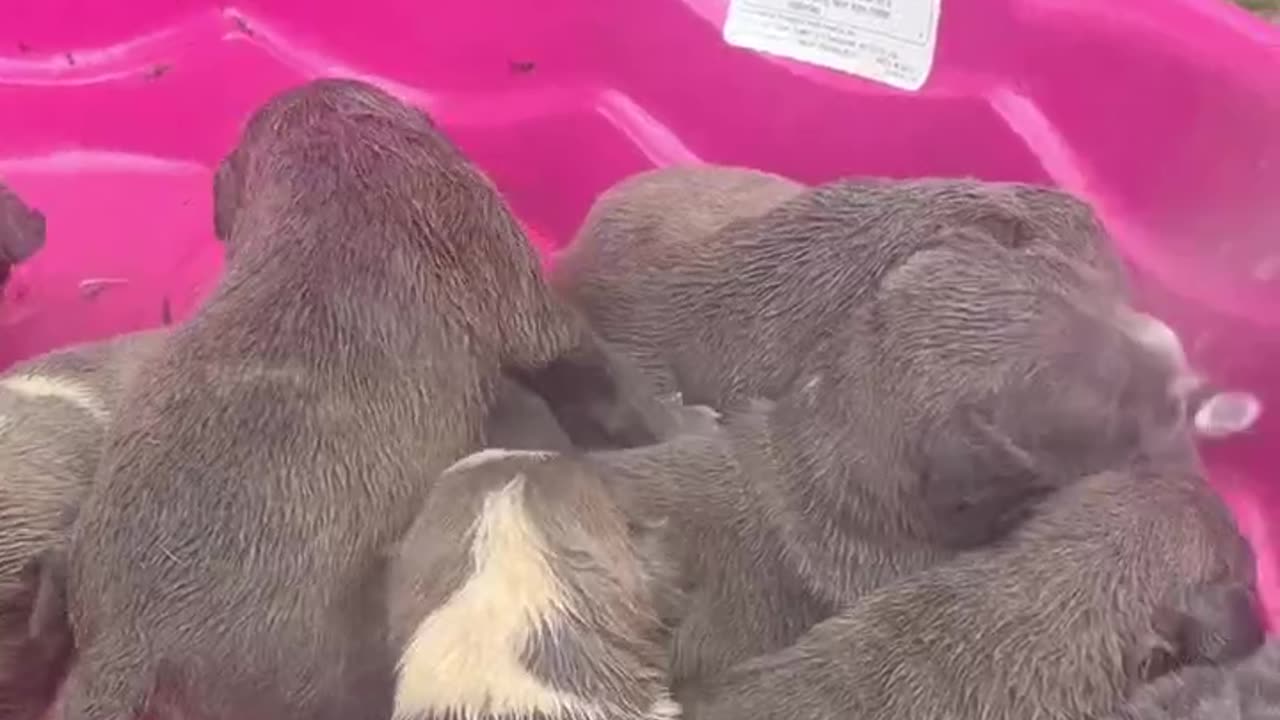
1247, 690
521, 593
728, 283
228, 562
1102, 590
21, 231
54, 412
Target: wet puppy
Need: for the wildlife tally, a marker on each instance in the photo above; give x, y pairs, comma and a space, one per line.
1118, 578
228, 562
1247, 690
968, 395
54, 412
521, 593
727, 283
22, 231
645, 227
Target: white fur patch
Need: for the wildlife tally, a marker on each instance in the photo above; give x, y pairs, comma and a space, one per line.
1155, 334
664, 708
465, 658
488, 455
64, 389
1227, 413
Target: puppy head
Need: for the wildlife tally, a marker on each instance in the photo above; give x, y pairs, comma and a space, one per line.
302, 127
532, 598
1001, 387
22, 229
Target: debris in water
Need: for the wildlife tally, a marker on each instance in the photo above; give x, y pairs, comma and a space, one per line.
91, 288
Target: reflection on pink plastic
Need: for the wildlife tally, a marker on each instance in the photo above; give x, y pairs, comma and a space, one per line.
1160, 112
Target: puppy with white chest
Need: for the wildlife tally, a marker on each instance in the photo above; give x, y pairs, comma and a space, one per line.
229, 560
522, 592
54, 413
1119, 578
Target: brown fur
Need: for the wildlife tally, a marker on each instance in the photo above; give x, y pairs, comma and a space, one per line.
728, 283
22, 231
520, 592
1059, 621
54, 412
1247, 690
228, 562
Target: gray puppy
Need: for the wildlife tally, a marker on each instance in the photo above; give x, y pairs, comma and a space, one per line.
1119, 578
972, 393
54, 412
1247, 690
229, 562
521, 592
729, 283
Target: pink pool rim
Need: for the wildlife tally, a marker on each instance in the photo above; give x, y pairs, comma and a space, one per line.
1165, 114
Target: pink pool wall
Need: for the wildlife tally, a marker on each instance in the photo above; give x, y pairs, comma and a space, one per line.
1164, 113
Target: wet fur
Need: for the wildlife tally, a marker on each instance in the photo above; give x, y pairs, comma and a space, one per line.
1061, 620
727, 283
1247, 690
521, 592
54, 412
944, 352
958, 413
22, 231
228, 562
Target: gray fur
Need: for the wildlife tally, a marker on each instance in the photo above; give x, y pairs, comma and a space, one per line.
22, 231
604, 647
1247, 690
49, 450
944, 355
1058, 621
728, 283
228, 562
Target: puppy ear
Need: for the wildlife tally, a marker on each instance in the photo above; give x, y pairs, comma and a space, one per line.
22, 229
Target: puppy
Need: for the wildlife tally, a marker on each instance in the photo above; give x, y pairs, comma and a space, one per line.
1247, 690
727, 283
968, 395
22, 231
1102, 590
520, 592
228, 562
54, 412
633, 235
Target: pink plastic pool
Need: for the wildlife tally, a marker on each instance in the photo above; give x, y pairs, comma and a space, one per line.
1164, 113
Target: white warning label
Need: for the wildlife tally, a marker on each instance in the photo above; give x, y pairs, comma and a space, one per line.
890, 41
